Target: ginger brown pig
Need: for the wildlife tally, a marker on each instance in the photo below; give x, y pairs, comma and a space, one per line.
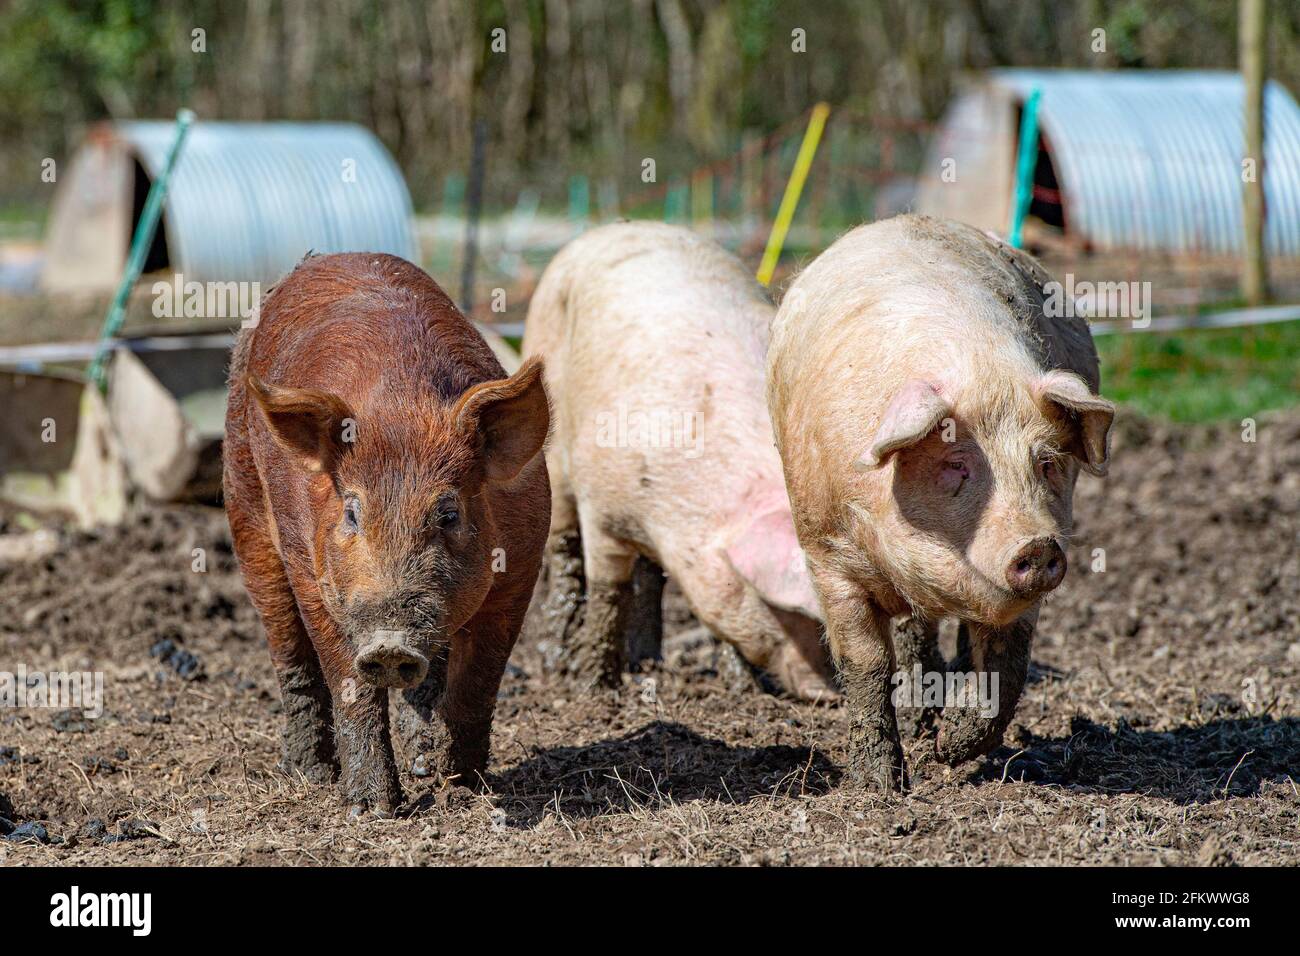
932, 420
389, 505
662, 457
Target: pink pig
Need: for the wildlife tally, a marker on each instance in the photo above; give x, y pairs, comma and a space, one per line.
932, 420
661, 449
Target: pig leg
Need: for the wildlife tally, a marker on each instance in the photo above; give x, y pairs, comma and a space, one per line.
963, 641
420, 728
966, 733
369, 772
596, 650
307, 744
560, 609
858, 632
365, 750
916, 644
645, 631
479, 653
800, 662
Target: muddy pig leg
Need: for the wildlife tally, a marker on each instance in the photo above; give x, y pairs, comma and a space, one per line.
963, 642
916, 644
562, 585
421, 731
801, 665
967, 729
307, 742
479, 653
596, 651
369, 772
858, 632
645, 625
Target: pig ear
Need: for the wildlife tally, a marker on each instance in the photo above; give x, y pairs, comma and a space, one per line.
1090, 417
307, 423
917, 408
511, 417
768, 556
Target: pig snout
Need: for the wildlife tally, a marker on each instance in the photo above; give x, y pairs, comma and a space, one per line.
1037, 568
387, 659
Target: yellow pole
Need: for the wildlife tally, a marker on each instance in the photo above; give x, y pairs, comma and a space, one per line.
702, 198
790, 201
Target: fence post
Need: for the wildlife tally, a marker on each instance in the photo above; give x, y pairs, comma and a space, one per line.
1026, 157
140, 244
1254, 277
790, 201
579, 200
702, 200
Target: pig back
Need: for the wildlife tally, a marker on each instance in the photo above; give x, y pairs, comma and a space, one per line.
1018, 279
649, 319
367, 327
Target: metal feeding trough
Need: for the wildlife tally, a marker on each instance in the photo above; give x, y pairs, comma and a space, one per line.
167, 408
156, 433
57, 449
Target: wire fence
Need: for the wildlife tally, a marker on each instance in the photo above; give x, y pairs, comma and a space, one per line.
868, 167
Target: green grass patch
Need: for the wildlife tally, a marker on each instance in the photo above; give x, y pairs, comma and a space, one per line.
1205, 374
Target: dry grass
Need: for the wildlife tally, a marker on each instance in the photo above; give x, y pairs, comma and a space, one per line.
1161, 725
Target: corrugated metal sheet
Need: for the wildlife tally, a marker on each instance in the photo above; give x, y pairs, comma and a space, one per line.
248, 200
1152, 159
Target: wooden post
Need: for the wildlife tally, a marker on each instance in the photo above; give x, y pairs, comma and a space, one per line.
1254, 270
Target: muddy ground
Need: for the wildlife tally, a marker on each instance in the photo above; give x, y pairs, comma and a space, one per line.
1162, 725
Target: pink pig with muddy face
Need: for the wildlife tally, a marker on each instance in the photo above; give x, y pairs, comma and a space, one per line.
661, 449
932, 420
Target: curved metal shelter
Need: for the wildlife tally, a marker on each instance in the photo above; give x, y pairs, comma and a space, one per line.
245, 203
1140, 159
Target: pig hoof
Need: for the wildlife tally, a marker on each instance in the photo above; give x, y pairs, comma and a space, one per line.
378, 797
315, 771
471, 777
814, 690
587, 675
953, 746
879, 773
882, 782
914, 724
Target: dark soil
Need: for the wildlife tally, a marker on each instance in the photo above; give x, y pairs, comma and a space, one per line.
1161, 724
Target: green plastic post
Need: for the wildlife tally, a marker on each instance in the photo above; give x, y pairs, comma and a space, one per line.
579, 199
675, 204
1026, 156
140, 244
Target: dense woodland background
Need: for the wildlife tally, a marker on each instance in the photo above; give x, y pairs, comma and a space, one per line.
585, 85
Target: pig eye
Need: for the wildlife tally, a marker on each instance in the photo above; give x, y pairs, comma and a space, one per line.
352, 516
447, 515
1048, 468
